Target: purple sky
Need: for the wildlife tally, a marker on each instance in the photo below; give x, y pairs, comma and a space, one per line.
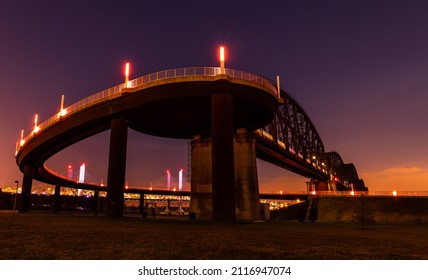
358, 68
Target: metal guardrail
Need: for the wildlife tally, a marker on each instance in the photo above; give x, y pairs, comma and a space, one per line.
115, 91
372, 193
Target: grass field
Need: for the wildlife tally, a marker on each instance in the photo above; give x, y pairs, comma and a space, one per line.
54, 236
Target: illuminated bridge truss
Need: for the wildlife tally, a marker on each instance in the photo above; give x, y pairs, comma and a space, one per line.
292, 142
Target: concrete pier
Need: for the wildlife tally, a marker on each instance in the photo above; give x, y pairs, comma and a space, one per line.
246, 191
246, 180
223, 177
201, 179
27, 183
117, 167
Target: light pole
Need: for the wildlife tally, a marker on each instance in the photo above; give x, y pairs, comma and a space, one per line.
16, 196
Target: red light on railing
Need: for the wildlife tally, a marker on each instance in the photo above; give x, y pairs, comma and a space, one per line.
62, 111
127, 69
36, 127
22, 141
222, 71
127, 66
221, 54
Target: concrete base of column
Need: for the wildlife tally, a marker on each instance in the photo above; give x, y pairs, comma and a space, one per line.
246, 180
201, 180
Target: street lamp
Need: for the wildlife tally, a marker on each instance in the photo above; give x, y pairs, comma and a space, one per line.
16, 196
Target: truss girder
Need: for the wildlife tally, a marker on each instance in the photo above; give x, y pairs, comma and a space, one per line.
293, 127
292, 142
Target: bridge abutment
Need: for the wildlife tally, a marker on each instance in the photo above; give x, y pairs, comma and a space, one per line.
117, 167
246, 190
27, 183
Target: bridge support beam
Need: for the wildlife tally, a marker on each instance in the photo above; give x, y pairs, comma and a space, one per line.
223, 177
117, 167
27, 183
246, 180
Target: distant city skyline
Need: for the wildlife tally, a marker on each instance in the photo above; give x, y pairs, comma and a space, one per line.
357, 68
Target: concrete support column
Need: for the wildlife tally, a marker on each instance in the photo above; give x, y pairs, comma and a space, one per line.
201, 179
57, 198
27, 183
246, 180
117, 168
223, 178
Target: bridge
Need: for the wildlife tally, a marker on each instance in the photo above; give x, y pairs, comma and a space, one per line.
231, 116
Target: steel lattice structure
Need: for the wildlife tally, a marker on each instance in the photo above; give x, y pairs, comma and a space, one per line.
291, 141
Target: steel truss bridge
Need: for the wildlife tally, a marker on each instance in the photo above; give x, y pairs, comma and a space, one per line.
291, 141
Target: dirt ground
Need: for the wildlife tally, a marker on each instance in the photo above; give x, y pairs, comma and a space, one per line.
78, 237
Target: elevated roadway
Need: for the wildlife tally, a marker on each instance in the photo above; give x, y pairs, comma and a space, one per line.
206, 102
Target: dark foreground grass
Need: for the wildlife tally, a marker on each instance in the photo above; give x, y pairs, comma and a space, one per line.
50, 236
